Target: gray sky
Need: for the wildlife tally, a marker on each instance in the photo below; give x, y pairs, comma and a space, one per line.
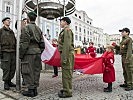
111, 15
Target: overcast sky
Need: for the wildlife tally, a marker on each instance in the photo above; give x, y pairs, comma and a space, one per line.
111, 15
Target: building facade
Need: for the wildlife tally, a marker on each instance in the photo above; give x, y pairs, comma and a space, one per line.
85, 32
117, 38
82, 25
8, 9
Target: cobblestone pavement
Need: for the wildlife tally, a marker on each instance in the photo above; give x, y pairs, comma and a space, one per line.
85, 87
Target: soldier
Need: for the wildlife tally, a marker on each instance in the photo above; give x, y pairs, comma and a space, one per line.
66, 49
31, 47
126, 54
7, 53
24, 22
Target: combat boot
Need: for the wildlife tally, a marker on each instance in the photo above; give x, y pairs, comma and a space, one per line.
62, 94
35, 92
6, 86
11, 84
29, 93
129, 88
123, 85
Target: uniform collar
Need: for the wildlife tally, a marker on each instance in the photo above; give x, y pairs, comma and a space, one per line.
6, 28
125, 37
66, 27
32, 22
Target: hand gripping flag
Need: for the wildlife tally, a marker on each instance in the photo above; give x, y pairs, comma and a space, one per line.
83, 62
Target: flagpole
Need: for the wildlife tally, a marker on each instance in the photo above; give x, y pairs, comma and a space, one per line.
18, 77
38, 13
64, 9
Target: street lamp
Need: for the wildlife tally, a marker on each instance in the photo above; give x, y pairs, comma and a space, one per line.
51, 10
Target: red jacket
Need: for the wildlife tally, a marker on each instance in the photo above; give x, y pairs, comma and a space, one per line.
91, 50
109, 71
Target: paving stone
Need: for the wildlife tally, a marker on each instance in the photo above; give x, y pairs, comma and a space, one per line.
85, 87
2, 96
7, 99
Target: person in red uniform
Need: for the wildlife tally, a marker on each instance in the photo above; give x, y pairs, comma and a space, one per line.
54, 43
109, 71
91, 50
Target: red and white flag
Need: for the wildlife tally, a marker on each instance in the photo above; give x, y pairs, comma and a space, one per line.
83, 62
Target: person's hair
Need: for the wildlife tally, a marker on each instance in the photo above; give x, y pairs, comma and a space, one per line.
54, 39
110, 47
91, 43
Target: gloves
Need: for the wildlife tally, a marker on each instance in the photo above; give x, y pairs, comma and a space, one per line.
1, 56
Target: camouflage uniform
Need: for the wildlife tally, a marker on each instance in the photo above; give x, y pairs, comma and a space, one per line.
66, 48
126, 53
31, 46
7, 52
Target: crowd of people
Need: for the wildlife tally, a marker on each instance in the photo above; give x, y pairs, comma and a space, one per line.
32, 45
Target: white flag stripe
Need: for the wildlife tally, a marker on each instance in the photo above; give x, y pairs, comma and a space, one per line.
48, 51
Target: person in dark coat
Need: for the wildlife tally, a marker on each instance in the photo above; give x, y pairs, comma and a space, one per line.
7, 53
31, 47
109, 71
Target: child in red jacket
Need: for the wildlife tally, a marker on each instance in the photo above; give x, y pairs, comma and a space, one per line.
55, 44
91, 50
109, 71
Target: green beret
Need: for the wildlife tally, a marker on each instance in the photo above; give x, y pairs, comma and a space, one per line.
5, 19
32, 14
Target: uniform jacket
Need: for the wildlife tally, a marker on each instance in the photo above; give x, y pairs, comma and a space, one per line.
109, 71
7, 40
31, 40
126, 46
66, 42
91, 50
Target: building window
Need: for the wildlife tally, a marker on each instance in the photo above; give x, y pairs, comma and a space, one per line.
48, 33
88, 39
90, 23
56, 33
8, 9
76, 37
79, 29
79, 38
88, 32
76, 15
76, 28
84, 31
79, 17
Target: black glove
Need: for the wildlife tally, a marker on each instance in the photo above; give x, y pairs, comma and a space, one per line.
1, 56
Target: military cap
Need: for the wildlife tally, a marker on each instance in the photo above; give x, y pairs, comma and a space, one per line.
32, 14
67, 19
125, 29
5, 19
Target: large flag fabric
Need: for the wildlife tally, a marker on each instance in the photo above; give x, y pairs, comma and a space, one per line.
83, 62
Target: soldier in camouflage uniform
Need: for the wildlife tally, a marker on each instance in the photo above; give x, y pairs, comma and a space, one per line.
7, 53
31, 47
66, 49
126, 54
